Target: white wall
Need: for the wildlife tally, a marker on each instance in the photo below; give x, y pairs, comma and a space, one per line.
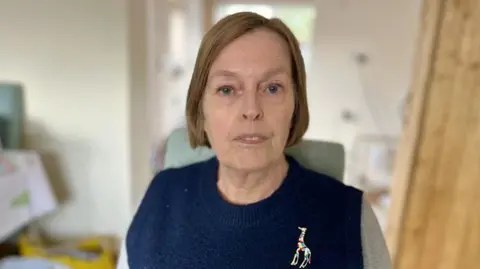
86, 66
386, 32
73, 59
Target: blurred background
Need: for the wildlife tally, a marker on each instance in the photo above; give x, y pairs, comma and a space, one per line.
91, 89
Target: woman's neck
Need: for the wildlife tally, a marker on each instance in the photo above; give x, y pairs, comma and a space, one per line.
240, 187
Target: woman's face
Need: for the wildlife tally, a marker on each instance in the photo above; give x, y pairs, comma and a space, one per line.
249, 101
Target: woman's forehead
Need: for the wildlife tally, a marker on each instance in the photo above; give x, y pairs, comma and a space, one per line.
259, 51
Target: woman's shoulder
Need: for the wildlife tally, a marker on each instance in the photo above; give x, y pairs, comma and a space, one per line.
172, 181
178, 172
311, 177
177, 176
325, 185
170, 186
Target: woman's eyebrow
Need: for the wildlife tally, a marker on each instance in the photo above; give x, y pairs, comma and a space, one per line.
223, 73
276, 71
269, 73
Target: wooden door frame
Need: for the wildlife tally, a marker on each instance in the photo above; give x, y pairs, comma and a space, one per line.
407, 155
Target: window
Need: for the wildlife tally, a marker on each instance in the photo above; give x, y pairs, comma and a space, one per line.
299, 18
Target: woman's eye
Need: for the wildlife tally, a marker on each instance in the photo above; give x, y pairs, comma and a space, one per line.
225, 91
273, 89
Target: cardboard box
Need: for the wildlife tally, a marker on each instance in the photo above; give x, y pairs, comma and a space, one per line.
91, 253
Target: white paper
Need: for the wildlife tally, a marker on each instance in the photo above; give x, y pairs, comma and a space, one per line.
25, 192
42, 200
12, 217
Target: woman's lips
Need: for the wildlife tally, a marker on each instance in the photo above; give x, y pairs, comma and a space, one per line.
251, 139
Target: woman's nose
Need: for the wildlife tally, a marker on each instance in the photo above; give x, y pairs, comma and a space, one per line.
251, 106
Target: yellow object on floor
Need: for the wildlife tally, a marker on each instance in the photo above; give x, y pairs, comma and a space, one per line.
91, 253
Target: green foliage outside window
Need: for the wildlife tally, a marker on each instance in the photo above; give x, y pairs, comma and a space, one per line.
300, 18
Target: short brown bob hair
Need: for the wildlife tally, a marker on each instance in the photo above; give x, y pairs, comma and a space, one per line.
218, 37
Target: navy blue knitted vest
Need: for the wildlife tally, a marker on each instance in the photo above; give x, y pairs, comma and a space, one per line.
184, 223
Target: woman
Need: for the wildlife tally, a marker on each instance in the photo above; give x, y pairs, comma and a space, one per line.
250, 206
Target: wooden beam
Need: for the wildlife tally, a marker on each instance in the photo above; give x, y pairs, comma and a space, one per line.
435, 219
426, 41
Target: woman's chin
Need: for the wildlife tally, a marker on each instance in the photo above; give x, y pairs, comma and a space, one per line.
251, 165
252, 160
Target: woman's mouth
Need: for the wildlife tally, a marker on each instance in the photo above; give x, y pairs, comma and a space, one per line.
251, 139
